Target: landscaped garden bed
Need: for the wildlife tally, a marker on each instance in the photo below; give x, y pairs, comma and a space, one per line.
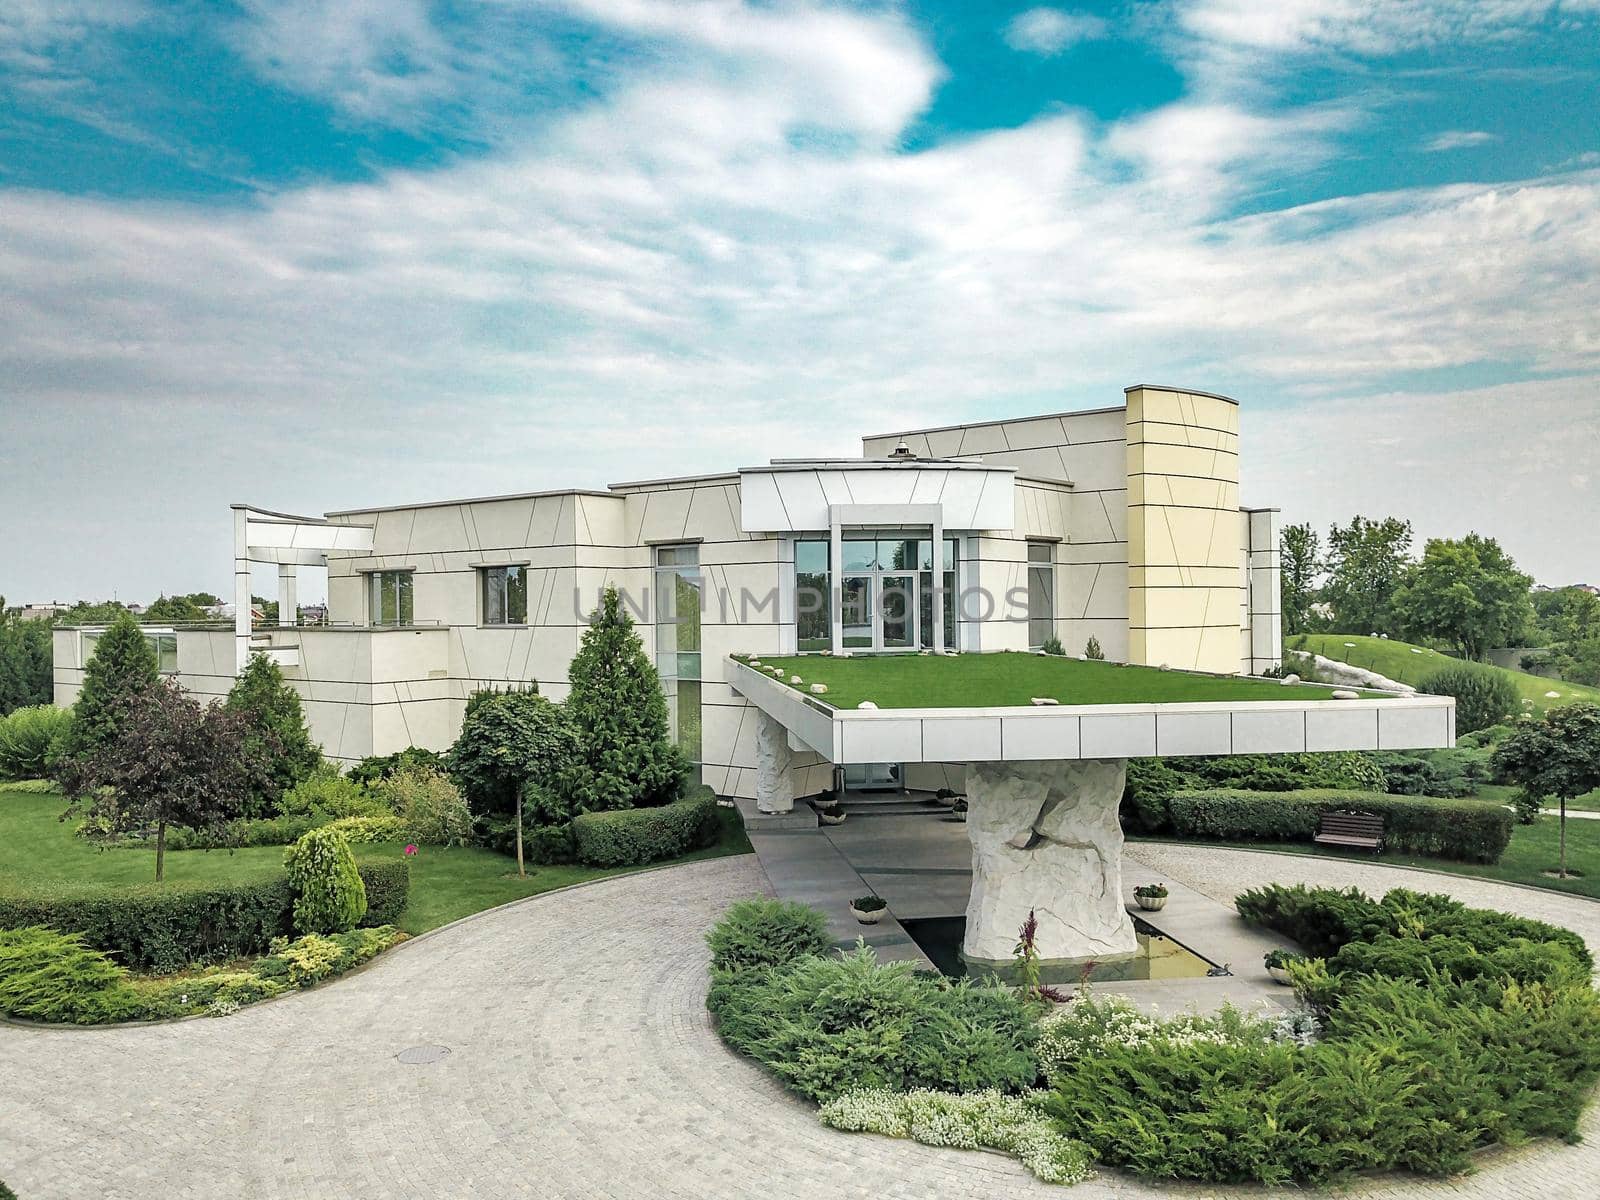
1428, 1030
1014, 680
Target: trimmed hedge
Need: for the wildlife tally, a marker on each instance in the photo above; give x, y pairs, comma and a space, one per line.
631, 837
1462, 830
166, 928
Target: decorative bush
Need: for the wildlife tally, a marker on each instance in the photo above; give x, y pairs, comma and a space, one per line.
1089, 1023
326, 793
826, 1026
1052, 645
278, 732
1450, 774
47, 975
377, 768
429, 805
552, 845
329, 894
766, 933
1484, 696
25, 739
1015, 1125
1149, 785
266, 831
1463, 830
168, 928
632, 837
626, 758
366, 830
869, 903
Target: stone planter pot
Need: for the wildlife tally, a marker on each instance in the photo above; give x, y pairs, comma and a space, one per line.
1280, 975
869, 918
828, 818
1151, 903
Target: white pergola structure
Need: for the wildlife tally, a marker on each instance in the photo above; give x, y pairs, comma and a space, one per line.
291, 542
1044, 784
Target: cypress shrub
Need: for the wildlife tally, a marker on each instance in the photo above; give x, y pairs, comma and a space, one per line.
122, 666
277, 731
329, 894
1462, 830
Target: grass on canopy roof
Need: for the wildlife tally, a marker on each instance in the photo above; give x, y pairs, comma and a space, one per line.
1002, 679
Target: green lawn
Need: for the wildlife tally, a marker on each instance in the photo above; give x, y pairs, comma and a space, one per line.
1411, 664
1532, 850
38, 849
997, 680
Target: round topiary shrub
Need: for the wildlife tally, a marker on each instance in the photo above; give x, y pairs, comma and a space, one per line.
766, 933
1484, 696
329, 894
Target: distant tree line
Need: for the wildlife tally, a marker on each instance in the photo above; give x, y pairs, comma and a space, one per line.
1465, 593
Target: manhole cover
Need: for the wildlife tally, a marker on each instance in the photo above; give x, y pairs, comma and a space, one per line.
420, 1055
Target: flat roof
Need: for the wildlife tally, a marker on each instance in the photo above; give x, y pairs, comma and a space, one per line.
1077, 412
378, 508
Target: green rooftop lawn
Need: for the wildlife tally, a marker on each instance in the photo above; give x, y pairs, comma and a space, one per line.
1002, 679
1413, 664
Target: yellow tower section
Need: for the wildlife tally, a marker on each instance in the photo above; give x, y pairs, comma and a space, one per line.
1185, 568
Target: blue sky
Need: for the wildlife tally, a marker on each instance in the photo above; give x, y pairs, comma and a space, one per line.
321, 253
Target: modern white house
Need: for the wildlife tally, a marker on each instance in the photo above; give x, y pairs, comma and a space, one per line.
1121, 524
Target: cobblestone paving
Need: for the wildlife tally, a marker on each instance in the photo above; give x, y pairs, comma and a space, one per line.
581, 1064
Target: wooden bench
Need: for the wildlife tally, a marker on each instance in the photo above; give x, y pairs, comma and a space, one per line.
1363, 830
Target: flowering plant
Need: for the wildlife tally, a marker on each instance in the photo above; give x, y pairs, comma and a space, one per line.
411, 849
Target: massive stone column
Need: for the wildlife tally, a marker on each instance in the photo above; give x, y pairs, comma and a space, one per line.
1045, 836
774, 780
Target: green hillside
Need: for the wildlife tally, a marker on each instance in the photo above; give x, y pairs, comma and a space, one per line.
1412, 664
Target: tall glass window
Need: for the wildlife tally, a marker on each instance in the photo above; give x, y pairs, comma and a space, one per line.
677, 611
1041, 593
390, 598
947, 581
813, 596
505, 595
164, 644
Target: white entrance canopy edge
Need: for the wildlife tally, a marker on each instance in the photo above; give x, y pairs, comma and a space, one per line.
797, 497
1098, 731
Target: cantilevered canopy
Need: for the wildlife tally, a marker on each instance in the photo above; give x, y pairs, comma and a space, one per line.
1155, 713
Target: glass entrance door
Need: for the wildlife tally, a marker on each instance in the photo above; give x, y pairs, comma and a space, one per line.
897, 612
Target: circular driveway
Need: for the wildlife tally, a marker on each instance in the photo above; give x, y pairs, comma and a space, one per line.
581, 1064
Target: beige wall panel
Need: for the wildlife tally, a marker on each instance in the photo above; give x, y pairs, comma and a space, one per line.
714, 514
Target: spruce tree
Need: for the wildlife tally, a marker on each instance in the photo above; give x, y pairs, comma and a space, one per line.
626, 757
277, 730
122, 668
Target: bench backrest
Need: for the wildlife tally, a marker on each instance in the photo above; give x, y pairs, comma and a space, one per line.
1356, 824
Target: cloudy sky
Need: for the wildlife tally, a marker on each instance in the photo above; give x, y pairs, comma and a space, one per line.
316, 254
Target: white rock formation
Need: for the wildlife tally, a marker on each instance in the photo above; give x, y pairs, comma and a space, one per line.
1345, 694
819, 689
1042, 701
867, 704
1045, 836
1331, 670
795, 679
1290, 679
774, 781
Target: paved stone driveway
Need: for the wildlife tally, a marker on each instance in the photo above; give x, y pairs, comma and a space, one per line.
581, 1065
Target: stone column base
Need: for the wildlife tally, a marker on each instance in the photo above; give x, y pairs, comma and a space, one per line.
774, 780
1046, 837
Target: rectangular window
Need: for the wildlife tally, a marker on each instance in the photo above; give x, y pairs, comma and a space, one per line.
505, 595
165, 646
813, 596
677, 611
1041, 593
390, 598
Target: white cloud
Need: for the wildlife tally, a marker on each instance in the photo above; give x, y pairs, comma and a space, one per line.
1049, 31
668, 280
1457, 139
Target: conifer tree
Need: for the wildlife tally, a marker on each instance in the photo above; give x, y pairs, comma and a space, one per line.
123, 667
277, 730
626, 757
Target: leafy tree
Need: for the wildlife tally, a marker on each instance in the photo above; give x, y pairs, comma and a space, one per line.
626, 757
329, 894
1483, 697
174, 609
165, 761
508, 740
1366, 564
123, 666
84, 613
1557, 755
25, 661
269, 609
1468, 593
1299, 556
277, 730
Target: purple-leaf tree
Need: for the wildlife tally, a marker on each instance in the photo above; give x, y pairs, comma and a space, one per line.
172, 761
